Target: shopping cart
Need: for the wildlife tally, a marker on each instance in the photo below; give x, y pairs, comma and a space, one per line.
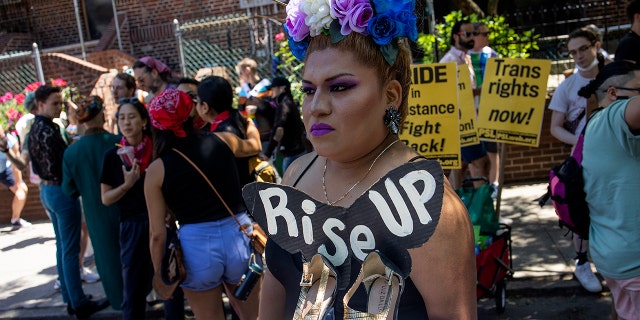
493, 266
493, 242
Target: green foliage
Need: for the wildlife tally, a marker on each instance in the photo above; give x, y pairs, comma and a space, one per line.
292, 67
502, 38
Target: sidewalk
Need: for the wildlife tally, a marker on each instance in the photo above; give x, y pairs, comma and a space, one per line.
542, 260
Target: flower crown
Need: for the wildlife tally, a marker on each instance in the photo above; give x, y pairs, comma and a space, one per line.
384, 20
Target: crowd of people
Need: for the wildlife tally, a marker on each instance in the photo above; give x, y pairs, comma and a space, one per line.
98, 178
182, 155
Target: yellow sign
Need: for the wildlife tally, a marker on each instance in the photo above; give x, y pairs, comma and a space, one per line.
468, 118
512, 100
431, 126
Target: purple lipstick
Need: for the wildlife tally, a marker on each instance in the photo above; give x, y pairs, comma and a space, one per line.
320, 129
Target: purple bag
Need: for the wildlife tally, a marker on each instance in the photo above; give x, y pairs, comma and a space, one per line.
566, 188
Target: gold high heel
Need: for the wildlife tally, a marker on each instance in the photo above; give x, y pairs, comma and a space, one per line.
319, 287
384, 285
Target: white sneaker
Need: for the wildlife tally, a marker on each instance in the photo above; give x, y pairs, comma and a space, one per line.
587, 279
494, 194
20, 223
87, 276
56, 285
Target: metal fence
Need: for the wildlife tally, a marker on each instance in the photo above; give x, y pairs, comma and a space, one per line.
215, 45
554, 23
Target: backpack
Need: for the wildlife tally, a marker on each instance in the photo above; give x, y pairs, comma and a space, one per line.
566, 190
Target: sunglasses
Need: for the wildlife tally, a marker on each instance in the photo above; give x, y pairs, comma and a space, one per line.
128, 100
628, 89
465, 33
484, 34
582, 49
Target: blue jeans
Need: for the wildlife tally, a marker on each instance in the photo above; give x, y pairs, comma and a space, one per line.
66, 219
137, 270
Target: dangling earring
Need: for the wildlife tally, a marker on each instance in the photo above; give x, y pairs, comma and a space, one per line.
392, 120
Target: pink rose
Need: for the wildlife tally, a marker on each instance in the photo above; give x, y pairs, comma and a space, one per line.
19, 98
58, 82
279, 36
33, 86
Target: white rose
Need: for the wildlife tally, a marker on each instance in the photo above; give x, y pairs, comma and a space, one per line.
318, 15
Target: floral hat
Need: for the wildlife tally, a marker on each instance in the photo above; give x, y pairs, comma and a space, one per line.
384, 20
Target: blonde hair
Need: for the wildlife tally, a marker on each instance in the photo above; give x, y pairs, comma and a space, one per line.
248, 63
369, 54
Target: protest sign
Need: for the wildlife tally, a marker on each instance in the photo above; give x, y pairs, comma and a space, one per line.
399, 212
432, 122
468, 118
512, 100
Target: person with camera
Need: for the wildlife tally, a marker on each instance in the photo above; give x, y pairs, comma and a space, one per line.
216, 252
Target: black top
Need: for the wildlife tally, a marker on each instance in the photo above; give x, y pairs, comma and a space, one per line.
46, 148
133, 202
186, 192
287, 269
628, 48
242, 164
288, 117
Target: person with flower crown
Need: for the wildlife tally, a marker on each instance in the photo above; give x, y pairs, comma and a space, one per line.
81, 168
356, 81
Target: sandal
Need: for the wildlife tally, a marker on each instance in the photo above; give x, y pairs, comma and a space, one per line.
384, 285
319, 287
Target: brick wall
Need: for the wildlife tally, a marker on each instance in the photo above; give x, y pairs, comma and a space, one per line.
10, 42
33, 209
55, 23
530, 163
111, 59
77, 72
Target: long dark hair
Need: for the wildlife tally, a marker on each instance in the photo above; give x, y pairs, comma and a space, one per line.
164, 140
142, 111
218, 94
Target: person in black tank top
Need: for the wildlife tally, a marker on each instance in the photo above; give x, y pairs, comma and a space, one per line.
215, 251
216, 108
355, 99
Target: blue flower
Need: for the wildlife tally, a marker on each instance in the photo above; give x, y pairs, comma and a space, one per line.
409, 24
299, 48
384, 28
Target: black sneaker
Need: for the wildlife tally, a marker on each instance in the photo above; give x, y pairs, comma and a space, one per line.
86, 310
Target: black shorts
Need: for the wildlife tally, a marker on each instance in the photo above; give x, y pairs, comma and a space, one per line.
6, 177
473, 152
490, 146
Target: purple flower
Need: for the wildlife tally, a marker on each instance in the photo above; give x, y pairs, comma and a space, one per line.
353, 15
296, 26
384, 28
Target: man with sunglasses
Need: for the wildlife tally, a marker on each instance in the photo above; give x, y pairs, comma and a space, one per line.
611, 156
480, 53
461, 42
568, 118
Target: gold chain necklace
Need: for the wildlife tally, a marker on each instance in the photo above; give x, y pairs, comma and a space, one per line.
324, 171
